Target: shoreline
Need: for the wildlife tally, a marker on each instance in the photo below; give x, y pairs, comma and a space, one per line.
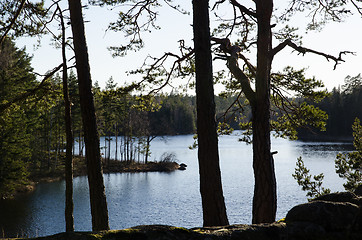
80, 169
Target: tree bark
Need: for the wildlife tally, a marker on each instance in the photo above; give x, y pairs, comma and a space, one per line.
94, 167
213, 205
69, 206
265, 198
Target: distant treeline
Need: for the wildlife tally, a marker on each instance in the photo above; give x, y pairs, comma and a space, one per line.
343, 105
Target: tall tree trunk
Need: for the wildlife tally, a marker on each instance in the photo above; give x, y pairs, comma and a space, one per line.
69, 206
49, 140
213, 205
116, 132
148, 141
109, 148
94, 167
265, 198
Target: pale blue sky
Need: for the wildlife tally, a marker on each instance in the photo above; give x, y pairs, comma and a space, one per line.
335, 37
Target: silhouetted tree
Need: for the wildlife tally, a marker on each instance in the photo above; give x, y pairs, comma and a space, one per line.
213, 205
94, 167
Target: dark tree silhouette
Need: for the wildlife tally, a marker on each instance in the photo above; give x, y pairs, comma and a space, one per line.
213, 205
94, 167
69, 205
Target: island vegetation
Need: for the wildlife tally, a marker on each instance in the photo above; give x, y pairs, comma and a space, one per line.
40, 117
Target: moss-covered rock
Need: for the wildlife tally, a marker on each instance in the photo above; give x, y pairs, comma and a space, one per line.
274, 231
332, 216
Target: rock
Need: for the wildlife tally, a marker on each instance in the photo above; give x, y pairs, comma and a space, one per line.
182, 166
332, 216
348, 197
146, 232
274, 231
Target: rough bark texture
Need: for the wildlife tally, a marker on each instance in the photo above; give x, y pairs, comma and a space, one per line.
264, 202
69, 206
94, 168
214, 210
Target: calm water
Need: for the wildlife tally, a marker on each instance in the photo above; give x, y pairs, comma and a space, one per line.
171, 198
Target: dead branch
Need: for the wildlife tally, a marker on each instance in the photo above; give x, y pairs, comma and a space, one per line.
158, 66
226, 47
176, 63
358, 8
303, 51
243, 9
224, 115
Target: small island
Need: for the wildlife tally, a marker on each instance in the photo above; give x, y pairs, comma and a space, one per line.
109, 166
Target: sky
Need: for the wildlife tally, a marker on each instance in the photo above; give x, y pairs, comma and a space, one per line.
334, 37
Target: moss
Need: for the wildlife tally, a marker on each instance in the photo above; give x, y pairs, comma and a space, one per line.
96, 236
182, 229
125, 234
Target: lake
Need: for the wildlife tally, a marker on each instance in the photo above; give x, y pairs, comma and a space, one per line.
172, 198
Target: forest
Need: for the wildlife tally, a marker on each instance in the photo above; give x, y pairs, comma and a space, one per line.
41, 115
342, 106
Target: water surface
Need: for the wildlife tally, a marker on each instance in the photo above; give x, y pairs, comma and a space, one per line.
171, 198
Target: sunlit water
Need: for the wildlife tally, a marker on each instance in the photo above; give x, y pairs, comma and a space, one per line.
171, 198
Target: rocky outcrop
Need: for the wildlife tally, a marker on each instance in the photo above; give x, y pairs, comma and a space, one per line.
274, 231
336, 216
323, 219
332, 216
345, 197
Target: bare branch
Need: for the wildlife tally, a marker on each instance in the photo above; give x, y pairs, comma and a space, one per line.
224, 115
176, 63
303, 50
359, 9
217, 4
152, 71
243, 9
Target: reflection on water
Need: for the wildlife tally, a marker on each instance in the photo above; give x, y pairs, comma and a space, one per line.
171, 198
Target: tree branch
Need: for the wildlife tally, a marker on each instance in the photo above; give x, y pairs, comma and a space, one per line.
358, 8
30, 92
8, 28
176, 63
243, 9
232, 64
304, 50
